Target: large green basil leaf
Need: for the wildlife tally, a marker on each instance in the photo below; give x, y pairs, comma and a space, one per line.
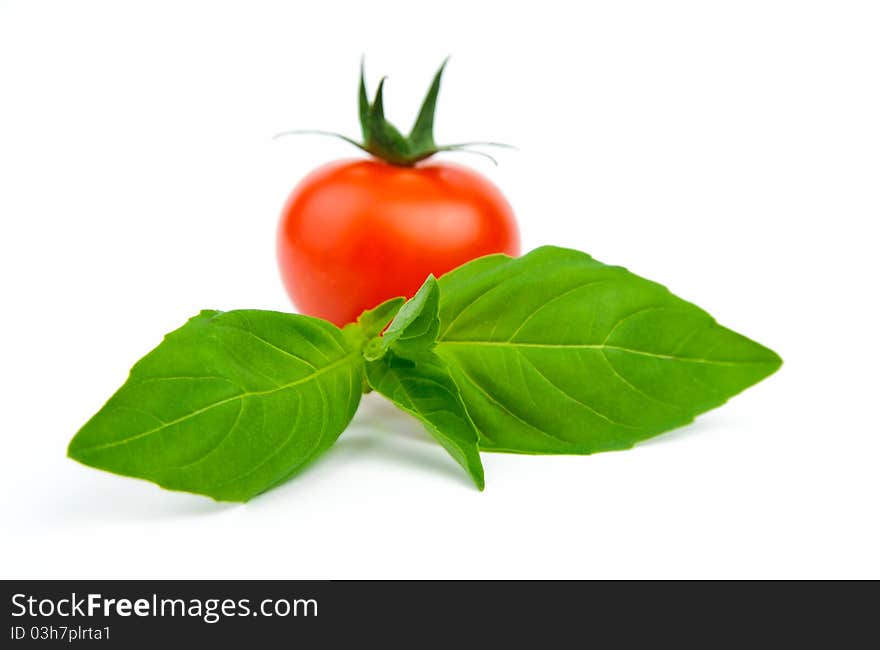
555, 352
229, 405
402, 367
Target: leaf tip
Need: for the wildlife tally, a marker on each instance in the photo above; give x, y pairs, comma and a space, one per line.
474, 467
75, 448
442, 67
774, 362
777, 360
380, 89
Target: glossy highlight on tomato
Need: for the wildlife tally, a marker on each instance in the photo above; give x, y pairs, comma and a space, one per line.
354, 233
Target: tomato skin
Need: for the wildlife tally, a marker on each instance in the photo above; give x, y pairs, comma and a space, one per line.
357, 232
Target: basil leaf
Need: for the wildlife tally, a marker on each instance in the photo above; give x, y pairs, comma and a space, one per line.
414, 328
402, 367
229, 405
555, 352
374, 320
423, 388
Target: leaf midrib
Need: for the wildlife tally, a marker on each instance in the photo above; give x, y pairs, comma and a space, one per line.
600, 346
205, 409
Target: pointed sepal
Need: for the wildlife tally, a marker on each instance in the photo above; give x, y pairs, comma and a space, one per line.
363, 104
382, 139
422, 135
385, 141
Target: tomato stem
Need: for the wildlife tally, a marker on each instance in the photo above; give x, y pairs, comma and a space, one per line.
384, 141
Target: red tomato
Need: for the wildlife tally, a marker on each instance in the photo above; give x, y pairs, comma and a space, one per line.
355, 233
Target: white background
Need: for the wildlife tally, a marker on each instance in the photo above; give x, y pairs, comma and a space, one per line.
730, 150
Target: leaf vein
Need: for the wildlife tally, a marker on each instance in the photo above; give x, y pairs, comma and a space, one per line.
538, 309
602, 346
575, 399
219, 403
507, 410
271, 345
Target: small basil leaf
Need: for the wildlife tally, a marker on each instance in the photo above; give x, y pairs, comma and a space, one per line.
229, 405
374, 320
401, 366
555, 352
422, 387
414, 328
